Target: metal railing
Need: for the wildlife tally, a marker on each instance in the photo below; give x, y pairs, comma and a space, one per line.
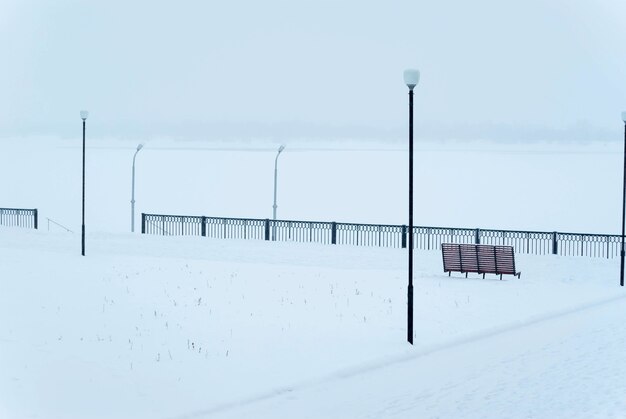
54, 223
19, 217
381, 235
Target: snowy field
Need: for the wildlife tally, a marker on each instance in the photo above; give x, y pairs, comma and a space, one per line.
165, 327
170, 327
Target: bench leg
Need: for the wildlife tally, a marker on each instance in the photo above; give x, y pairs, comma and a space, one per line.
500, 277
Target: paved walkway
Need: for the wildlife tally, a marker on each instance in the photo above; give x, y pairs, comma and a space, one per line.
569, 366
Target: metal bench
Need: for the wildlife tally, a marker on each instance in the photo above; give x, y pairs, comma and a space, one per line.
478, 258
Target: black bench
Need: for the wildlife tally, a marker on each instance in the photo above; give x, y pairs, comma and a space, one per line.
478, 258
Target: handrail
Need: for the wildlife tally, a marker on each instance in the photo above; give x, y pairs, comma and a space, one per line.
58, 224
382, 235
19, 217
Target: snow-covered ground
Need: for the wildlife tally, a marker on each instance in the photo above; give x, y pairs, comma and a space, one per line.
189, 327
186, 327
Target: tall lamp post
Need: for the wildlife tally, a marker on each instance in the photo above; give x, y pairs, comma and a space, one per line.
411, 78
132, 198
621, 271
83, 116
280, 150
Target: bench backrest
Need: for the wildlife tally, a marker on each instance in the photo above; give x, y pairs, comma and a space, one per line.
479, 258
451, 257
505, 260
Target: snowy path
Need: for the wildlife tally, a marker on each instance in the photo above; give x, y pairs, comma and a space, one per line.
547, 369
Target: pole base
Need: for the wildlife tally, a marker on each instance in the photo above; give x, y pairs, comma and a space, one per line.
410, 314
83, 241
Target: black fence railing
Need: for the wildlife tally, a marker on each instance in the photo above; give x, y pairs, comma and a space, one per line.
19, 217
380, 235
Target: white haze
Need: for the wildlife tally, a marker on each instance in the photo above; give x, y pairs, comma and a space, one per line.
563, 186
284, 69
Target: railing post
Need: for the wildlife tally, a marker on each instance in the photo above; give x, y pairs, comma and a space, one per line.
582, 245
203, 227
477, 239
143, 223
404, 237
267, 229
333, 233
36, 217
555, 245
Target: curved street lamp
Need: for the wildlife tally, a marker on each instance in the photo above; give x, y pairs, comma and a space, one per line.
83, 116
411, 78
621, 275
280, 150
132, 198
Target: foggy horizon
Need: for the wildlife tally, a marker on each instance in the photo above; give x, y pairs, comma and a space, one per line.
313, 69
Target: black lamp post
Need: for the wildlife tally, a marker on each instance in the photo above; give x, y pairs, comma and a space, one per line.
411, 78
83, 116
621, 270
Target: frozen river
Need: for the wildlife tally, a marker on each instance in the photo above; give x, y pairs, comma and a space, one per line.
568, 187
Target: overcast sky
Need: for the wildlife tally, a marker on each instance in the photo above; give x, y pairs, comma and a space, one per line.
311, 67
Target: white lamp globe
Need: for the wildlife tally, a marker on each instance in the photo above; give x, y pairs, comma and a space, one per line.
84, 115
411, 78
